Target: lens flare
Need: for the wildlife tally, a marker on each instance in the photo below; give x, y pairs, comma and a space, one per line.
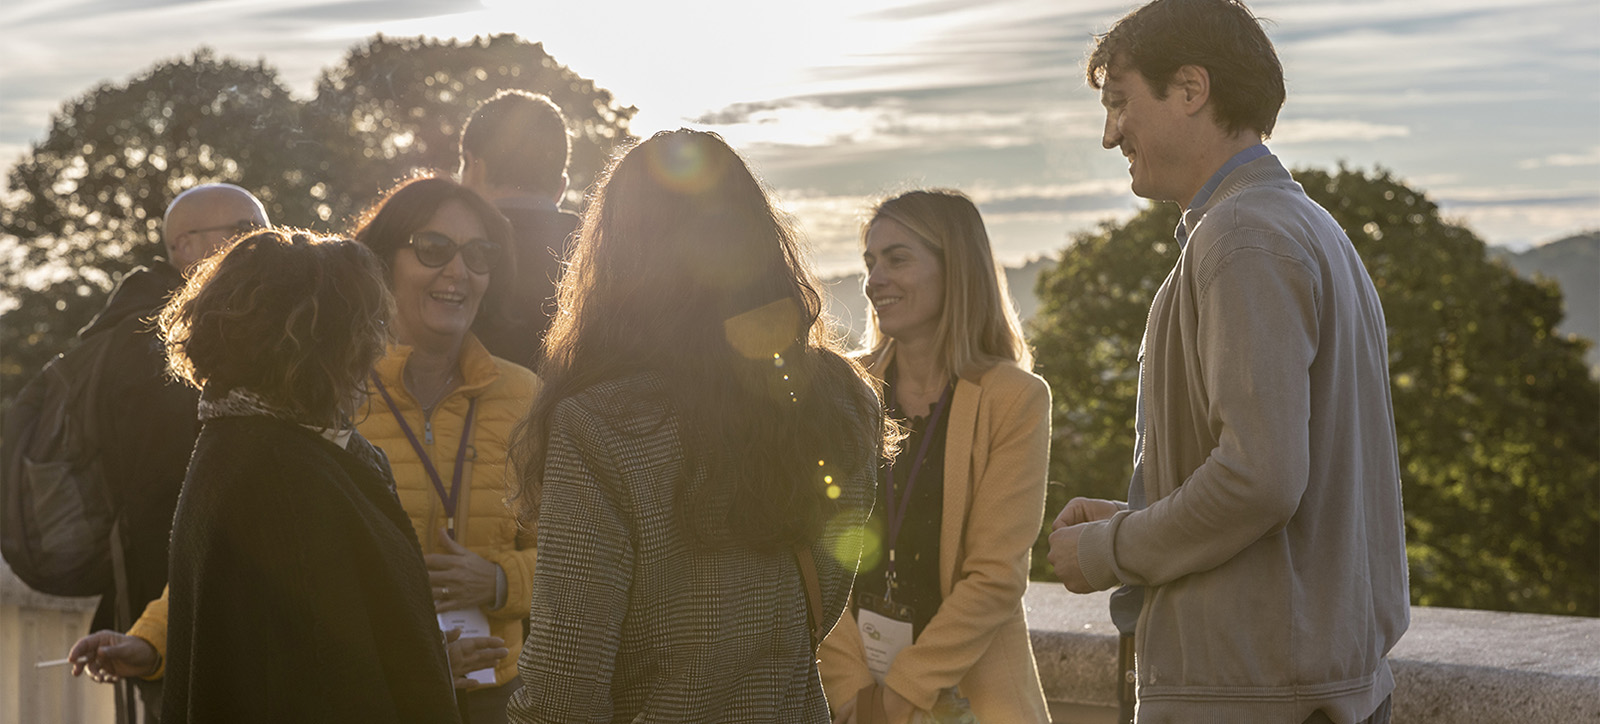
683, 166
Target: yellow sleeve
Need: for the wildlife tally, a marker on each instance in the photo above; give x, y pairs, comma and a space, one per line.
518, 566
842, 661
152, 627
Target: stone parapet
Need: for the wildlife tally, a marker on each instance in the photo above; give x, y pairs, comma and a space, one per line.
1452, 666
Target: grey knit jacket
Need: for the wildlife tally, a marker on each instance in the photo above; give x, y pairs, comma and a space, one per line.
1274, 545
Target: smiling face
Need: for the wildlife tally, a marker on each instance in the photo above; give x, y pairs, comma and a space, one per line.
1150, 132
905, 282
435, 306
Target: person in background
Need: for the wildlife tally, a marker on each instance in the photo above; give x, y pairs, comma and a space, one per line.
697, 444
298, 589
514, 152
147, 426
941, 598
1262, 547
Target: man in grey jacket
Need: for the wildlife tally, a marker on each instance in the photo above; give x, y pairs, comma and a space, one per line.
1266, 526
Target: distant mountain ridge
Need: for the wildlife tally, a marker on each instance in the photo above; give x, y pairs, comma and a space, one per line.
1573, 262
847, 305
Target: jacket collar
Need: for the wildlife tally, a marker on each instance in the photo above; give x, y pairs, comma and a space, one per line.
477, 366
1264, 170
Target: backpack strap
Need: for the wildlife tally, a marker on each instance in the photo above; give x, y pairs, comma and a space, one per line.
808, 573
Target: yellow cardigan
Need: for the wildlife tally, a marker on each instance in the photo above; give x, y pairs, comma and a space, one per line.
997, 450
485, 524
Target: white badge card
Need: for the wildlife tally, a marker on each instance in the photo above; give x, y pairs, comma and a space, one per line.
472, 623
883, 636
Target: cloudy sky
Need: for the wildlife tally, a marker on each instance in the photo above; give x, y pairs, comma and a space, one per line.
1491, 106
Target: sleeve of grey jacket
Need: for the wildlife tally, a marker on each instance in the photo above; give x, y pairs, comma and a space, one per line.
581, 583
1257, 306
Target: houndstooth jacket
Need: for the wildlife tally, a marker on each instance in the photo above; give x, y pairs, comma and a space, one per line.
632, 623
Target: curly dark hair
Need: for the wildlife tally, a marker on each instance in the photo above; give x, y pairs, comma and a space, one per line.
683, 268
1222, 36
296, 318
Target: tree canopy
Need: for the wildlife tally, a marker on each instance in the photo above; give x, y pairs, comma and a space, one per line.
85, 204
1497, 418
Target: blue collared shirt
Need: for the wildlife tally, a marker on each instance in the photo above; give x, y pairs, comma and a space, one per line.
1126, 601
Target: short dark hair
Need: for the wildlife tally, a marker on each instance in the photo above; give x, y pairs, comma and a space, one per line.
296, 318
1221, 36
386, 227
523, 138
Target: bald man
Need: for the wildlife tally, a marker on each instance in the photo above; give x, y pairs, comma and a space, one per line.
147, 423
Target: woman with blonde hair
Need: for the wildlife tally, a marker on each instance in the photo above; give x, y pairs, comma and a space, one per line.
960, 506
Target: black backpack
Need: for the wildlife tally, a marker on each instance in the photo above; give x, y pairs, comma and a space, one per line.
56, 511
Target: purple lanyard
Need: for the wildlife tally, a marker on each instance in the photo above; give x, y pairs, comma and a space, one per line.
449, 499
897, 515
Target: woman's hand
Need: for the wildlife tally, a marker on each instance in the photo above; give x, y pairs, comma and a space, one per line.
460, 578
471, 654
109, 656
898, 709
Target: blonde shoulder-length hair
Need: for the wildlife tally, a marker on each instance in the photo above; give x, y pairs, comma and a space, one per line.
978, 324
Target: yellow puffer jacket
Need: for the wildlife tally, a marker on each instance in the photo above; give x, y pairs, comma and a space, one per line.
484, 522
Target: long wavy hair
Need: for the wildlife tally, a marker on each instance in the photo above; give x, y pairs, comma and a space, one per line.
978, 326
683, 269
296, 318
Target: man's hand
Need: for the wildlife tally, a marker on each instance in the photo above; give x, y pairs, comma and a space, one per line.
109, 656
1064, 557
1084, 510
460, 578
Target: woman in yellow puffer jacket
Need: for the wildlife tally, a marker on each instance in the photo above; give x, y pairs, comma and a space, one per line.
443, 410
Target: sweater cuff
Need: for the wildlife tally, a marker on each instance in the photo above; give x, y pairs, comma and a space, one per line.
1095, 553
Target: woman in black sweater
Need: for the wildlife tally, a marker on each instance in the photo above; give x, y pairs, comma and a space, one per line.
298, 591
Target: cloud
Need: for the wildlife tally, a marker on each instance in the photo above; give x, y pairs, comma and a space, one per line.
1564, 160
1312, 130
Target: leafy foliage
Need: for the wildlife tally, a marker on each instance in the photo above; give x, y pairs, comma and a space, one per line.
1497, 418
397, 104
85, 205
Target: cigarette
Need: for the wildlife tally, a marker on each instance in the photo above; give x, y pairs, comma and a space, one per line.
54, 662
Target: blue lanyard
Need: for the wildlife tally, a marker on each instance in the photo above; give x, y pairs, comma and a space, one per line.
448, 498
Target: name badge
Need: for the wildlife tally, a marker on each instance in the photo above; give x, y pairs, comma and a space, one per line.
886, 629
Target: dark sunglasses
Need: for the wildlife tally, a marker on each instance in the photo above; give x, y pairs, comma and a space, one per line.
237, 228
435, 250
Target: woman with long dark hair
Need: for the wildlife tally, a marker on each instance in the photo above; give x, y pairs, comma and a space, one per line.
936, 626
697, 441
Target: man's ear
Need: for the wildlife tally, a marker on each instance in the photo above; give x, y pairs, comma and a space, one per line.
473, 173
1193, 83
566, 183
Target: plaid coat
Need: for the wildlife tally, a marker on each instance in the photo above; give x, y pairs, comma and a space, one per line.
630, 622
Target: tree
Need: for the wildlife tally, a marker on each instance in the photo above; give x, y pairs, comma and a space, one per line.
1497, 418
85, 204
394, 105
